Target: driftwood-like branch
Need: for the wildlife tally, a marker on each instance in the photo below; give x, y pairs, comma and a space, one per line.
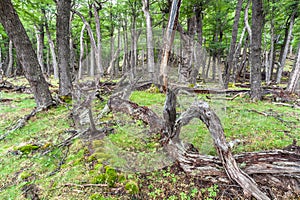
267, 168
143, 113
202, 111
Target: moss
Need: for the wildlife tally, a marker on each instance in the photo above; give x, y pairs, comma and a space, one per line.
132, 187
26, 149
153, 89
24, 175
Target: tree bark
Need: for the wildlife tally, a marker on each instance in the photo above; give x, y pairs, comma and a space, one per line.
40, 35
295, 74
99, 46
232, 48
10, 60
248, 28
63, 46
81, 51
169, 38
52, 51
25, 53
255, 75
150, 52
285, 47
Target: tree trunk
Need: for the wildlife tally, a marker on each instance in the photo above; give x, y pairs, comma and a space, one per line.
247, 21
199, 23
269, 73
169, 38
255, 74
63, 46
11, 59
81, 51
186, 69
150, 52
1, 63
52, 50
99, 46
285, 48
232, 48
25, 53
40, 35
295, 74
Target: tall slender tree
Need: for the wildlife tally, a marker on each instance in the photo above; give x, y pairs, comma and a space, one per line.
63, 46
257, 25
26, 54
229, 63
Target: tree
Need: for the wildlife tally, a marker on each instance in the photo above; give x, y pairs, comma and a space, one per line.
63, 46
230, 56
25, 52
295, 74
150, 52
257, 24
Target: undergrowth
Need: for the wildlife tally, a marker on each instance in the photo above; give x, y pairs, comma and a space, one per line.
123, 165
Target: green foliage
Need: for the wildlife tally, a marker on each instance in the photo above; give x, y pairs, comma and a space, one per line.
24, 175
110, 177
26, 149
211, 192
132, 187
98, 196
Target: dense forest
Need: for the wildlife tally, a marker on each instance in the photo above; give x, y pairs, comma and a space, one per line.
135, 74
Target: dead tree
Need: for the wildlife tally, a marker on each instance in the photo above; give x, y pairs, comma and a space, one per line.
268, 168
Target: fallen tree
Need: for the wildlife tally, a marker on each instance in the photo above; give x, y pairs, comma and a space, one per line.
274, 170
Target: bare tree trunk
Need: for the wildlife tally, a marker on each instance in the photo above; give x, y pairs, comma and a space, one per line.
295, 74
247, 21
255, 75
232, 48
186, 70
40, 35
237, 54
169, 38
81, 51
25, 53
94, 47
1, 70
150, 53
92, 62
63, 46
11, 59
285, 48
52, 51
125, 56
99, 50
48, 63
269, 73
199, 23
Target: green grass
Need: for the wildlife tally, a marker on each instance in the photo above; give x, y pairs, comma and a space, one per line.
129, 149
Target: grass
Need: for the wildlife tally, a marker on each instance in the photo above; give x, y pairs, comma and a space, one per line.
129, 160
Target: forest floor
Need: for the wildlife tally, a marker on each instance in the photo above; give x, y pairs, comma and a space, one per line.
39, 161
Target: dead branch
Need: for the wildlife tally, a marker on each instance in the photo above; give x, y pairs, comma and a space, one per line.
20, 123
143, 113
278, 165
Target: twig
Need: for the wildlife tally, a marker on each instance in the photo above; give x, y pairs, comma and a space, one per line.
85, 185
286, 104
60, 163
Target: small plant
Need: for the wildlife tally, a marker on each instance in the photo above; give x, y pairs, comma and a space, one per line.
98, 196
184, 196
132, 187
194, 192
212, 192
